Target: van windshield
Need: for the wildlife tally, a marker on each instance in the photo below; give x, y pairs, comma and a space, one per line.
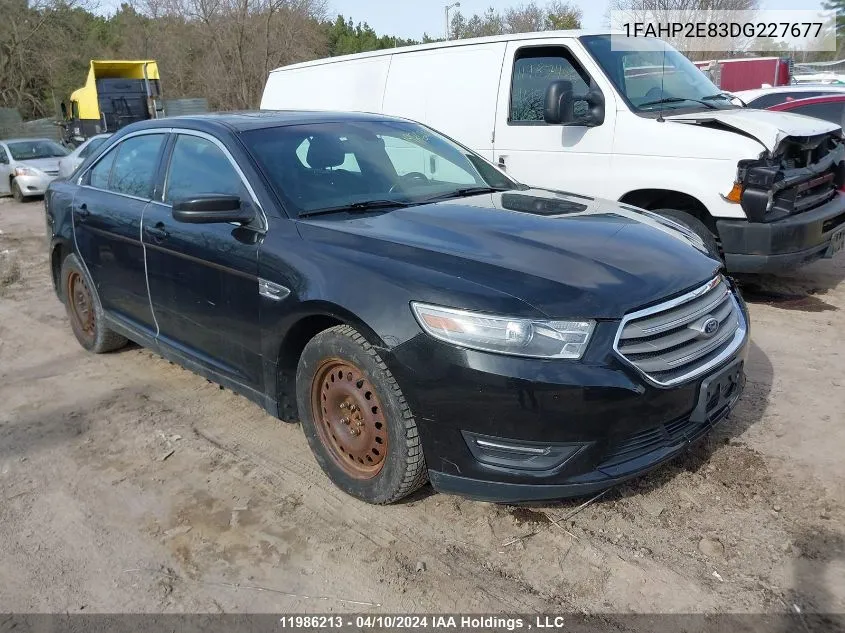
653, 76
321, 167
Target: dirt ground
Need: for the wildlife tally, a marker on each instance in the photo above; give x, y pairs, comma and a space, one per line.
130, 484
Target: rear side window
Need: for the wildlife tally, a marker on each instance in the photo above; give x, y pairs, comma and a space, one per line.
533, 71
88, 149
197, 167
828, 111
99, 177
134, 167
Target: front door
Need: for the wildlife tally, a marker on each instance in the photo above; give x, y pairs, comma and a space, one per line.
107, 213
570, 157
203, 278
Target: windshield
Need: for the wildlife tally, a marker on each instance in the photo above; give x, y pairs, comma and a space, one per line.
320, 166
39, 148
653, 76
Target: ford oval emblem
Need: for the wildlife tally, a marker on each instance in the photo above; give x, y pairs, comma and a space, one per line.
710, 327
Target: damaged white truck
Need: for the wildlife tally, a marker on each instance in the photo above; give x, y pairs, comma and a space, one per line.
635, 121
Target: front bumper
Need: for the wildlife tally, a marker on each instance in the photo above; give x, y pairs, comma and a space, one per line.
755, 247
34, 185
619, 425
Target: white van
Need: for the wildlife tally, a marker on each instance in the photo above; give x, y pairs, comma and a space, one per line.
638, 123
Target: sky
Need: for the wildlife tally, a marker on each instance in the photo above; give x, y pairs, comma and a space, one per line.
411, 18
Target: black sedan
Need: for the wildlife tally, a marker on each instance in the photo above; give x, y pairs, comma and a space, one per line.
424, 316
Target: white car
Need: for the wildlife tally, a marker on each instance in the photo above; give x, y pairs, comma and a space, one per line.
763, 98
69, 163
638, 123
28, 165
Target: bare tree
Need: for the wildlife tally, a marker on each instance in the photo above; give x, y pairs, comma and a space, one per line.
525, 18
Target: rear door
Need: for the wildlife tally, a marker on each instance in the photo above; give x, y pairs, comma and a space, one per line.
107, 213
572, 157
203, 278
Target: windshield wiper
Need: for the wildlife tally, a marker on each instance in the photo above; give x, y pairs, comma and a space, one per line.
723, 95
677, 100
366, 205
464, 191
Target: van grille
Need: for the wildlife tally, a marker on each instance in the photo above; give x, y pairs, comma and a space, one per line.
680, 339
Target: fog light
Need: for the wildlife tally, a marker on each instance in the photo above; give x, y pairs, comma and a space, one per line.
519, 454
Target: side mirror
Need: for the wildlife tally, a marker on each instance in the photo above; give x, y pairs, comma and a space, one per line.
4, 160
64, 110
211, 209
559, 106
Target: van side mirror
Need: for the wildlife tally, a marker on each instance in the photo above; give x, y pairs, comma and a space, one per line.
211, 209
559, 106
64, 110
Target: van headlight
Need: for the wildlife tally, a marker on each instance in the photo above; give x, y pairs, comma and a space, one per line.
535, 338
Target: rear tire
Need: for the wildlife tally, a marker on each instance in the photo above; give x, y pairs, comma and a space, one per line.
356, 419
85, 310
696, 226
17, 194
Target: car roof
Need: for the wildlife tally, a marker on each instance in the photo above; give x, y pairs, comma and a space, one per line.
794, 103
256, 120
747, 95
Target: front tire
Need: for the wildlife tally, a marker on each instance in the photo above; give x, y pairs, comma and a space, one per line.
356, 419
85, 310
696, 226
17, 194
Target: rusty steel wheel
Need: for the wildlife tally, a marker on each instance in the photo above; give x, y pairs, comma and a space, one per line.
81, 305
349, 418
84, 310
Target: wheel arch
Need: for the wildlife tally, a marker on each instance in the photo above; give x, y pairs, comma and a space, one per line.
313, 318
59, 250
670, 199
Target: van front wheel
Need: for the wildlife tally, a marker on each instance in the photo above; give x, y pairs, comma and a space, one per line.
696, 226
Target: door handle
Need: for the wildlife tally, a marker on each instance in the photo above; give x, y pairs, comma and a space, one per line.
83, 212
502, 162
157, 232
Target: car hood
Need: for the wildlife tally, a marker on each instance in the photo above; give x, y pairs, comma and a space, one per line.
768, 127
566, 255
44, 164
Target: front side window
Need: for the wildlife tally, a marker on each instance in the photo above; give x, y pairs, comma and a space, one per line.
320, 166
533, 71
135, 165
38, 148
99, 174
652, 76
198, 166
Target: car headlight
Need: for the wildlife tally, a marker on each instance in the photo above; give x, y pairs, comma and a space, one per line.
535, 338
25, 171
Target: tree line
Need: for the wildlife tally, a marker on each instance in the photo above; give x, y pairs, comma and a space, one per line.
221, 50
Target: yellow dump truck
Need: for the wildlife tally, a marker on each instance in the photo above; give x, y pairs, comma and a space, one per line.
116, 93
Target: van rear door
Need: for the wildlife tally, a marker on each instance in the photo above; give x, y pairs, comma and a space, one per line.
451, 89
573, 157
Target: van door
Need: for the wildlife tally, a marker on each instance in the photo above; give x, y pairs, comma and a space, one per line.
572, 157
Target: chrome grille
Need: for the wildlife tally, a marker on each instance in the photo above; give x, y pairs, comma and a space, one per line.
685, 337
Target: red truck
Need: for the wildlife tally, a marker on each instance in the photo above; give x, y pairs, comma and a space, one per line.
749, 73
